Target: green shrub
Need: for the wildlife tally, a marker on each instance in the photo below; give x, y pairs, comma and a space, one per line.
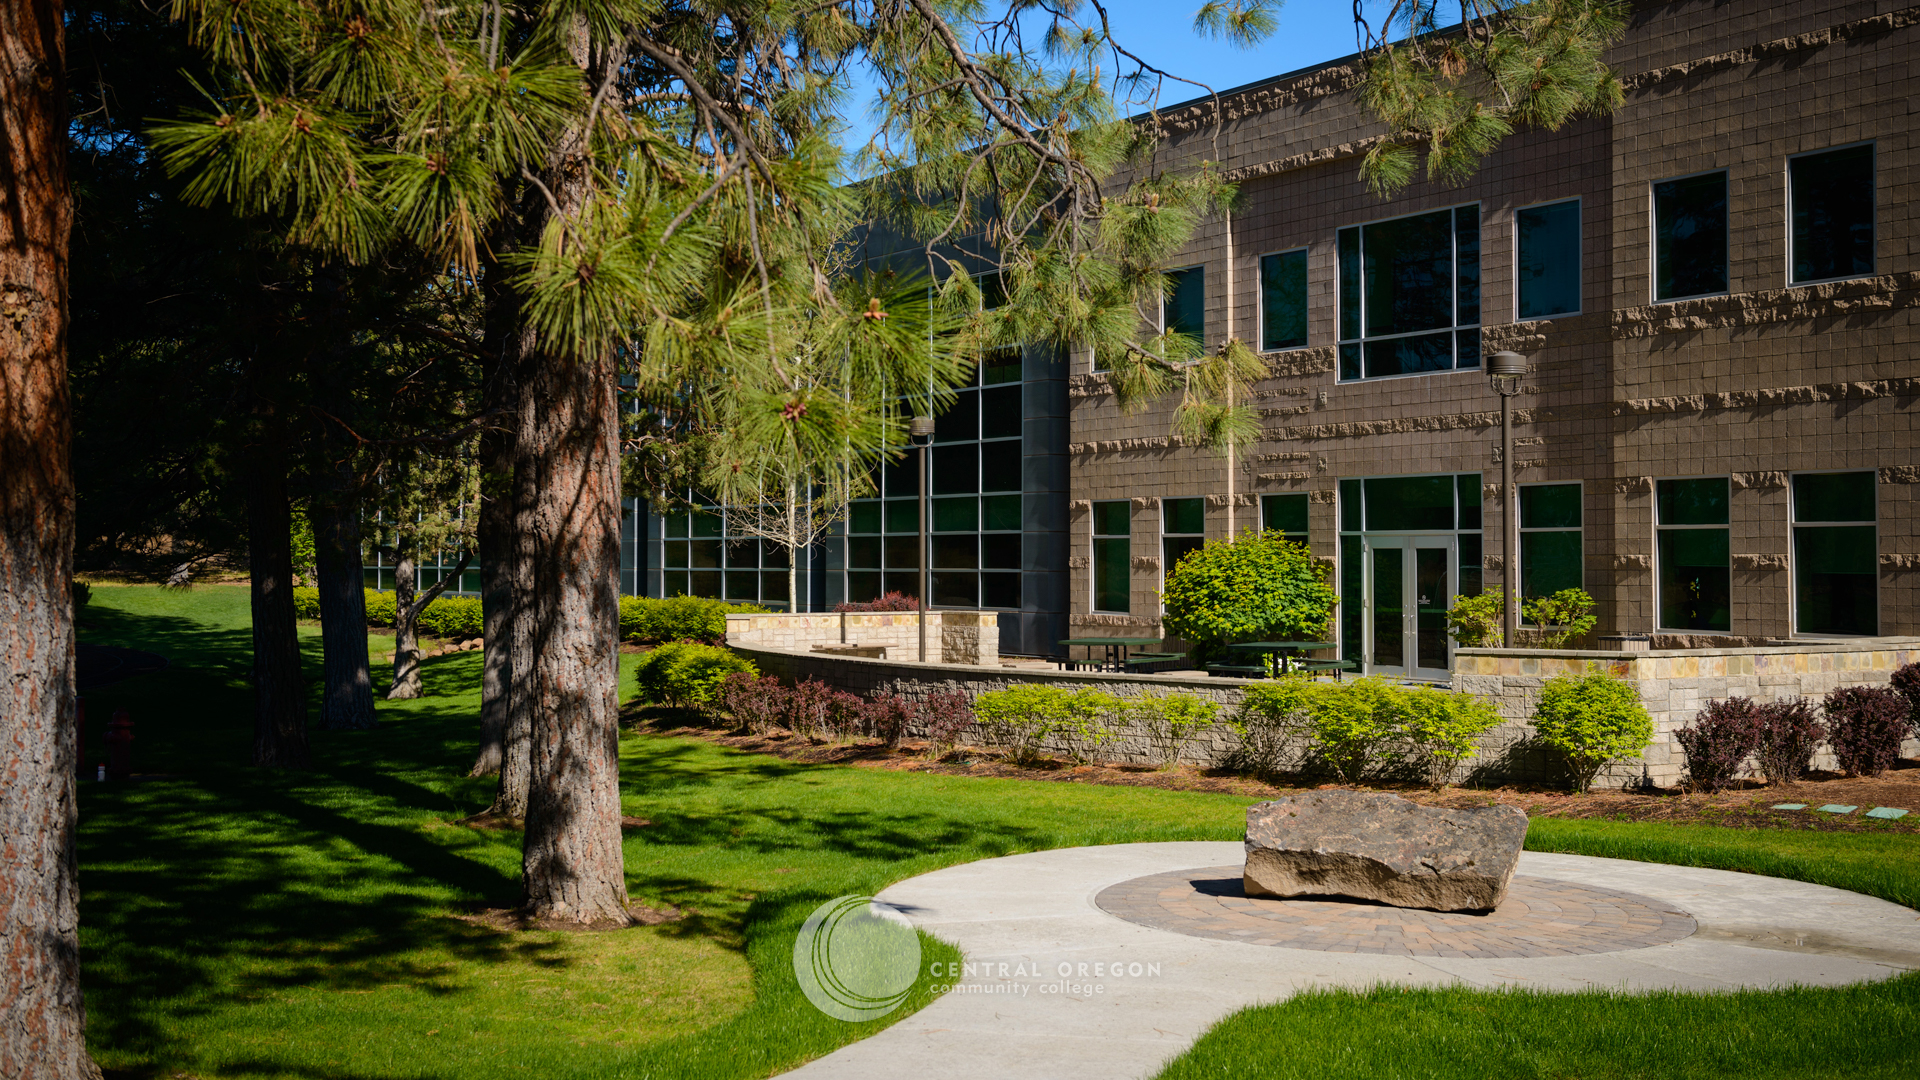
1442, 728
688, 674
446, 616
1083, 727
1259, 587
306, 603
1021, 718
82, 592
1571, 610
1355, 725
1592, 719
381, 608
680, 618
1475, 621
1170, 722
1272, 726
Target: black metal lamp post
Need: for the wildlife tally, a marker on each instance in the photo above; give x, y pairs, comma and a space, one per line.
921, 429
1504, 370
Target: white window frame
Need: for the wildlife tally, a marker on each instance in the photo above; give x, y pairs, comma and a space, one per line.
1260, 300
1793, 567
1786, 178
1579, 262
1454, 303
1658, 528
1202, 267
1520, 575
1653, 244
1093, 580
1161, 555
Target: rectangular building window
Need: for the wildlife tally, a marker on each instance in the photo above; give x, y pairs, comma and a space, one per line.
1831, 204
1550, 552
1695, 578
1410, 294
1836, 554
1690, 237
1183, 527
1285, 514
1184, 310
1283, 300
1112, 555
1547, 259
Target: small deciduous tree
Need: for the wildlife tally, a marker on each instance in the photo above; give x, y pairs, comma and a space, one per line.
1592, 719
1442, 729
1476, 621
1258, 586
426, 502
1565, 616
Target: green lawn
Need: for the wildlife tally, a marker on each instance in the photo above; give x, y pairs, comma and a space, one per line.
235, 923
239, 924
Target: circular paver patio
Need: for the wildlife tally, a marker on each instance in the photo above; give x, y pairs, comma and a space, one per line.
1539, 917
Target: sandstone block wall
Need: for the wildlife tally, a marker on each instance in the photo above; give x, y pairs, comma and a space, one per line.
955, 637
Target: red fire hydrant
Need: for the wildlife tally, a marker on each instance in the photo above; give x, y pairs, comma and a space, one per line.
120, 746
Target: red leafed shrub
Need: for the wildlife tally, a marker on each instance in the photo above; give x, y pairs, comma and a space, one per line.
893, 601
1865, 727
1789, 734
1719, 741
1906, 679
948, 716
759, 705
887, 717
810, 706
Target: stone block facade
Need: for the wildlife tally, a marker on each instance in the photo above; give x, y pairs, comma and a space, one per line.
955, 637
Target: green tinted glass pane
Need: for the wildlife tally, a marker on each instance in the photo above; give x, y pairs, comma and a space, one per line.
1349, 245
1112, 518
1284, 513
993, 291
676, 525
1548, 263
957, 552
1175, 548
1283, 300
1467, 491
863, 517
773, 588
705, 554
1690, 237
956, 469
1186, 303
1833, 497
1466, 253
1110, 586
862, 588
1695, 580
1550, 506
961, 421
706, 524
1349, 506
1000, 413
1692, 502
956, 515
1549, 562
676, 553
1350, 361
1000, 590
1466, 345
1000, 512
1000, 465
1832, 214
1409, 274
903, 553
1835, 578
1407, 503
743, 585
1472, 568
1352, 615
1183, 515
1001, 366
903, 515
863, 552
1000, 551
1409, 355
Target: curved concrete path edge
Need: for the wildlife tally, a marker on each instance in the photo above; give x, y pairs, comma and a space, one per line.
1019, 919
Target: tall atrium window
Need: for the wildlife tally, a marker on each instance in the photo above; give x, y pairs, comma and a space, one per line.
1285, 514
1283, 300
1547, 259
1410, 294
1836, 554
1184, 310
1695, 563
1831, 196
1112, 555
1550, 551
1690, 237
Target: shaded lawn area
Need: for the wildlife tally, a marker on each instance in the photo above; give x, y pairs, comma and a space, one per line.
239, 923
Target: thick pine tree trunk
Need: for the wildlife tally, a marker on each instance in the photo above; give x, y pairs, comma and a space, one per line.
406, 644
42, 1018
279, 689
568, 495
347, 698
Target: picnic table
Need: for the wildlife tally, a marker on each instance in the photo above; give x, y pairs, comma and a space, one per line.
1116, 651
1290, 656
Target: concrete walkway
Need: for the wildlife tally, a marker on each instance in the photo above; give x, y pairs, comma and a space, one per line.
1022, 920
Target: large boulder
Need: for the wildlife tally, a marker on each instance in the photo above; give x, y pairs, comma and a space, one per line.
1381, 847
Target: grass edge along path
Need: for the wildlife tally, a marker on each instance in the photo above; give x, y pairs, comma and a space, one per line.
1864, 1030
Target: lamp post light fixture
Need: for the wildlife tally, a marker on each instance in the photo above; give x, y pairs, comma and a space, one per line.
1504, 371
921, 431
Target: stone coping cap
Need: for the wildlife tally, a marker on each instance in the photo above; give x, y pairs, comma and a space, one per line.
1860, 645
1003, 672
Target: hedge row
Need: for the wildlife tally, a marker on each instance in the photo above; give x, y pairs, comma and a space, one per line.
446, 616
682, 618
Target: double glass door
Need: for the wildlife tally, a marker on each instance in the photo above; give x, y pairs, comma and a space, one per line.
1409, 585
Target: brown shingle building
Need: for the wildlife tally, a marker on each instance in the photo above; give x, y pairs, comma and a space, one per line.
1716, 291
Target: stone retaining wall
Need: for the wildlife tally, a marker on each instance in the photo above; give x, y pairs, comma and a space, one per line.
1674, 685
958, 637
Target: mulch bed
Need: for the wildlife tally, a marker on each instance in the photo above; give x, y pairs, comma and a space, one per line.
1748, 806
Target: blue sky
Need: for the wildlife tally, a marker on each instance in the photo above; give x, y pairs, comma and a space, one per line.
1311, 32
